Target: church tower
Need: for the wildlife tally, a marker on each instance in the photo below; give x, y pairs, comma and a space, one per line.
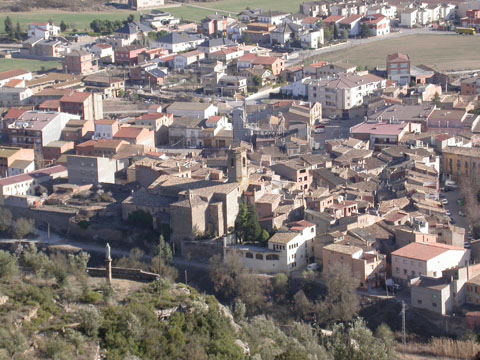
237, 168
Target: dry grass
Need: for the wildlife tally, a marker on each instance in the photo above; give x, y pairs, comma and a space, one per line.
444, 347
442, 52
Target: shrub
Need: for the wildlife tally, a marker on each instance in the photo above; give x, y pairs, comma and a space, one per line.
8, 264
22, 227
141, 218
84, 224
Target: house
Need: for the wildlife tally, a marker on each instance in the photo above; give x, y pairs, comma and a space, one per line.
213, 45
54, 149
287, 250
398, 68
177, 42
315, 8
43, 30
15, 160
79, 62
145, 4
13, 96
105, 129
447, 121
333, 20
470, 86
351, 24
192, 110
135, 135
325, 71
88, 105
186, 132
257, 72
100, 148
230, 85
132, 31
104, 52
128, 55
408, 17
180, 62
368, 268
257, 33
226, 55
36, 128
272, 17
286, 33
214, 24
379, 24
249, 15
76, 130
312, 39
159, 20
90, 170
275, 64
19, 74
428, 259
157, 122
25, 184
109, 87
296, 171
148, 74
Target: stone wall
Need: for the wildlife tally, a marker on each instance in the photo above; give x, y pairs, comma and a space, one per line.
124, 273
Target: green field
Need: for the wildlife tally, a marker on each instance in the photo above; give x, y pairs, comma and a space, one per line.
441, 52
29, 65
81, 20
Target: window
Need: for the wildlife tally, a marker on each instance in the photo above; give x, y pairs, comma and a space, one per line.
434, 304
272, 257
419, 301
249, 255
405, 271
259, 256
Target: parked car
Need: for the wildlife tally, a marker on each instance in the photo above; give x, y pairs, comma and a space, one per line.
441, 195
452, 221
461, 213
444, 201
448, 212
466, 245
312, 266
319, 129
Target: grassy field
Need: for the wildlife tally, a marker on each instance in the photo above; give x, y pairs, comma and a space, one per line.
29, 65
442, 52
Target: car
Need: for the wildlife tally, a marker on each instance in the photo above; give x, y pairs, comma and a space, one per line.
312, 266
466, 245
441, 195
452, 221
319, 129
444, 201
448, 212
447, 189
461, 213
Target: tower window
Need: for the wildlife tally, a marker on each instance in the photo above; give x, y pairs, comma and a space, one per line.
244, 162
232, 164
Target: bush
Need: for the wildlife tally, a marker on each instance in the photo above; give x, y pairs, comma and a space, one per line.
84, 224
5, 219
141, 218
8, 264
92, 297
22, 227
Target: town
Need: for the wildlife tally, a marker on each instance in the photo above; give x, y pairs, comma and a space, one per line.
236, 140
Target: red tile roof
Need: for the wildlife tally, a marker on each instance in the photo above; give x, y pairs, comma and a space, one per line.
14, 113
333, 19
103, 46
49, 104
32, 175
351, 19
77, 97
13, 83
398, 56
424, 252
12, 73
373, 19
128, 132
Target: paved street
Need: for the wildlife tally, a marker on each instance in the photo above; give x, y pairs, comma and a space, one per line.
452, 197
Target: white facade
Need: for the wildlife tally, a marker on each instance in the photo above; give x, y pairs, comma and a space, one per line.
27, 76
267, 18
43, 30
312, 39
14, 96
297, 89
193, 111
22, 169
408, 18
405, 268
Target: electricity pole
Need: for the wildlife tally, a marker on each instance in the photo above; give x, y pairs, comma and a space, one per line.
404, 330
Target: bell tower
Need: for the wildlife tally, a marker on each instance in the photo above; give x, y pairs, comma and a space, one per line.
237, 167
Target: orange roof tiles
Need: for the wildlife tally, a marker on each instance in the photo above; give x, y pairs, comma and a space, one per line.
77, 96
423, 252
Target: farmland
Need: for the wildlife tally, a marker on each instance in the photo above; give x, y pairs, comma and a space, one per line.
29, 65
440, 52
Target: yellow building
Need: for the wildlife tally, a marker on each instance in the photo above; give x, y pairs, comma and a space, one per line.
461, 162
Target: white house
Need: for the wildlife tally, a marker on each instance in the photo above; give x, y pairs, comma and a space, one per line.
180, 62
287, 250
311, 40
43, 30
297, 89
103, 51
15, 74
272, 17
178, 42
427, 259
408, 17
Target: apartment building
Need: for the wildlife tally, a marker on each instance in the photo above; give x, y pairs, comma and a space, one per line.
459, 162
89, 106
382, 134
36, 128
90, 170
105, 128
16, 74
344, 92
398, 68
13, 158
79, 62
296, 171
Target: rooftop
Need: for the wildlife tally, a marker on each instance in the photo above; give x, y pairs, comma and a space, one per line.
283, 237
424, 252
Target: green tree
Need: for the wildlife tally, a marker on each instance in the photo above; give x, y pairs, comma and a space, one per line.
335, 32
280, 285
364, 31
327, 33
384, 333
35, 260
241, 221
164, 250
345, 34
63, 26
9, 27
257, 80
8, 264
342, 302
356, 342
130, 18
18, 32
5, 219
13, 341
437, 101
264, 237
252, 231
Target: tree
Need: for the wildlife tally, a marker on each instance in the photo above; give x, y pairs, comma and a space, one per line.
264, 237
5, 219
33, 259
130, 18
328, 33
356, 342
384, 333
341, 302
8, 264
437, 101
241, 221
9, 27
253, 231
63, 26
22, 227
302, 306
18, 31
164, 250
224, 274
257, 80
335, 31
345, 34
364, 31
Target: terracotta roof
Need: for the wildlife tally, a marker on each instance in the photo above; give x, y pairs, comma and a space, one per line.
373, 19
283, 237
76, 96
344, 249
12, 73
32, 175
379, 128
128, 132
350, 19
214, 119
13, 83
103, 46
333, 19
50, 104
14, 113
318, 64
424, 252
105, 122
398, 56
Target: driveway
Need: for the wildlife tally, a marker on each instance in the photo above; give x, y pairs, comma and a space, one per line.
452, 197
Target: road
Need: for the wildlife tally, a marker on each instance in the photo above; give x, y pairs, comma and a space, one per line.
452, 197
305, 54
